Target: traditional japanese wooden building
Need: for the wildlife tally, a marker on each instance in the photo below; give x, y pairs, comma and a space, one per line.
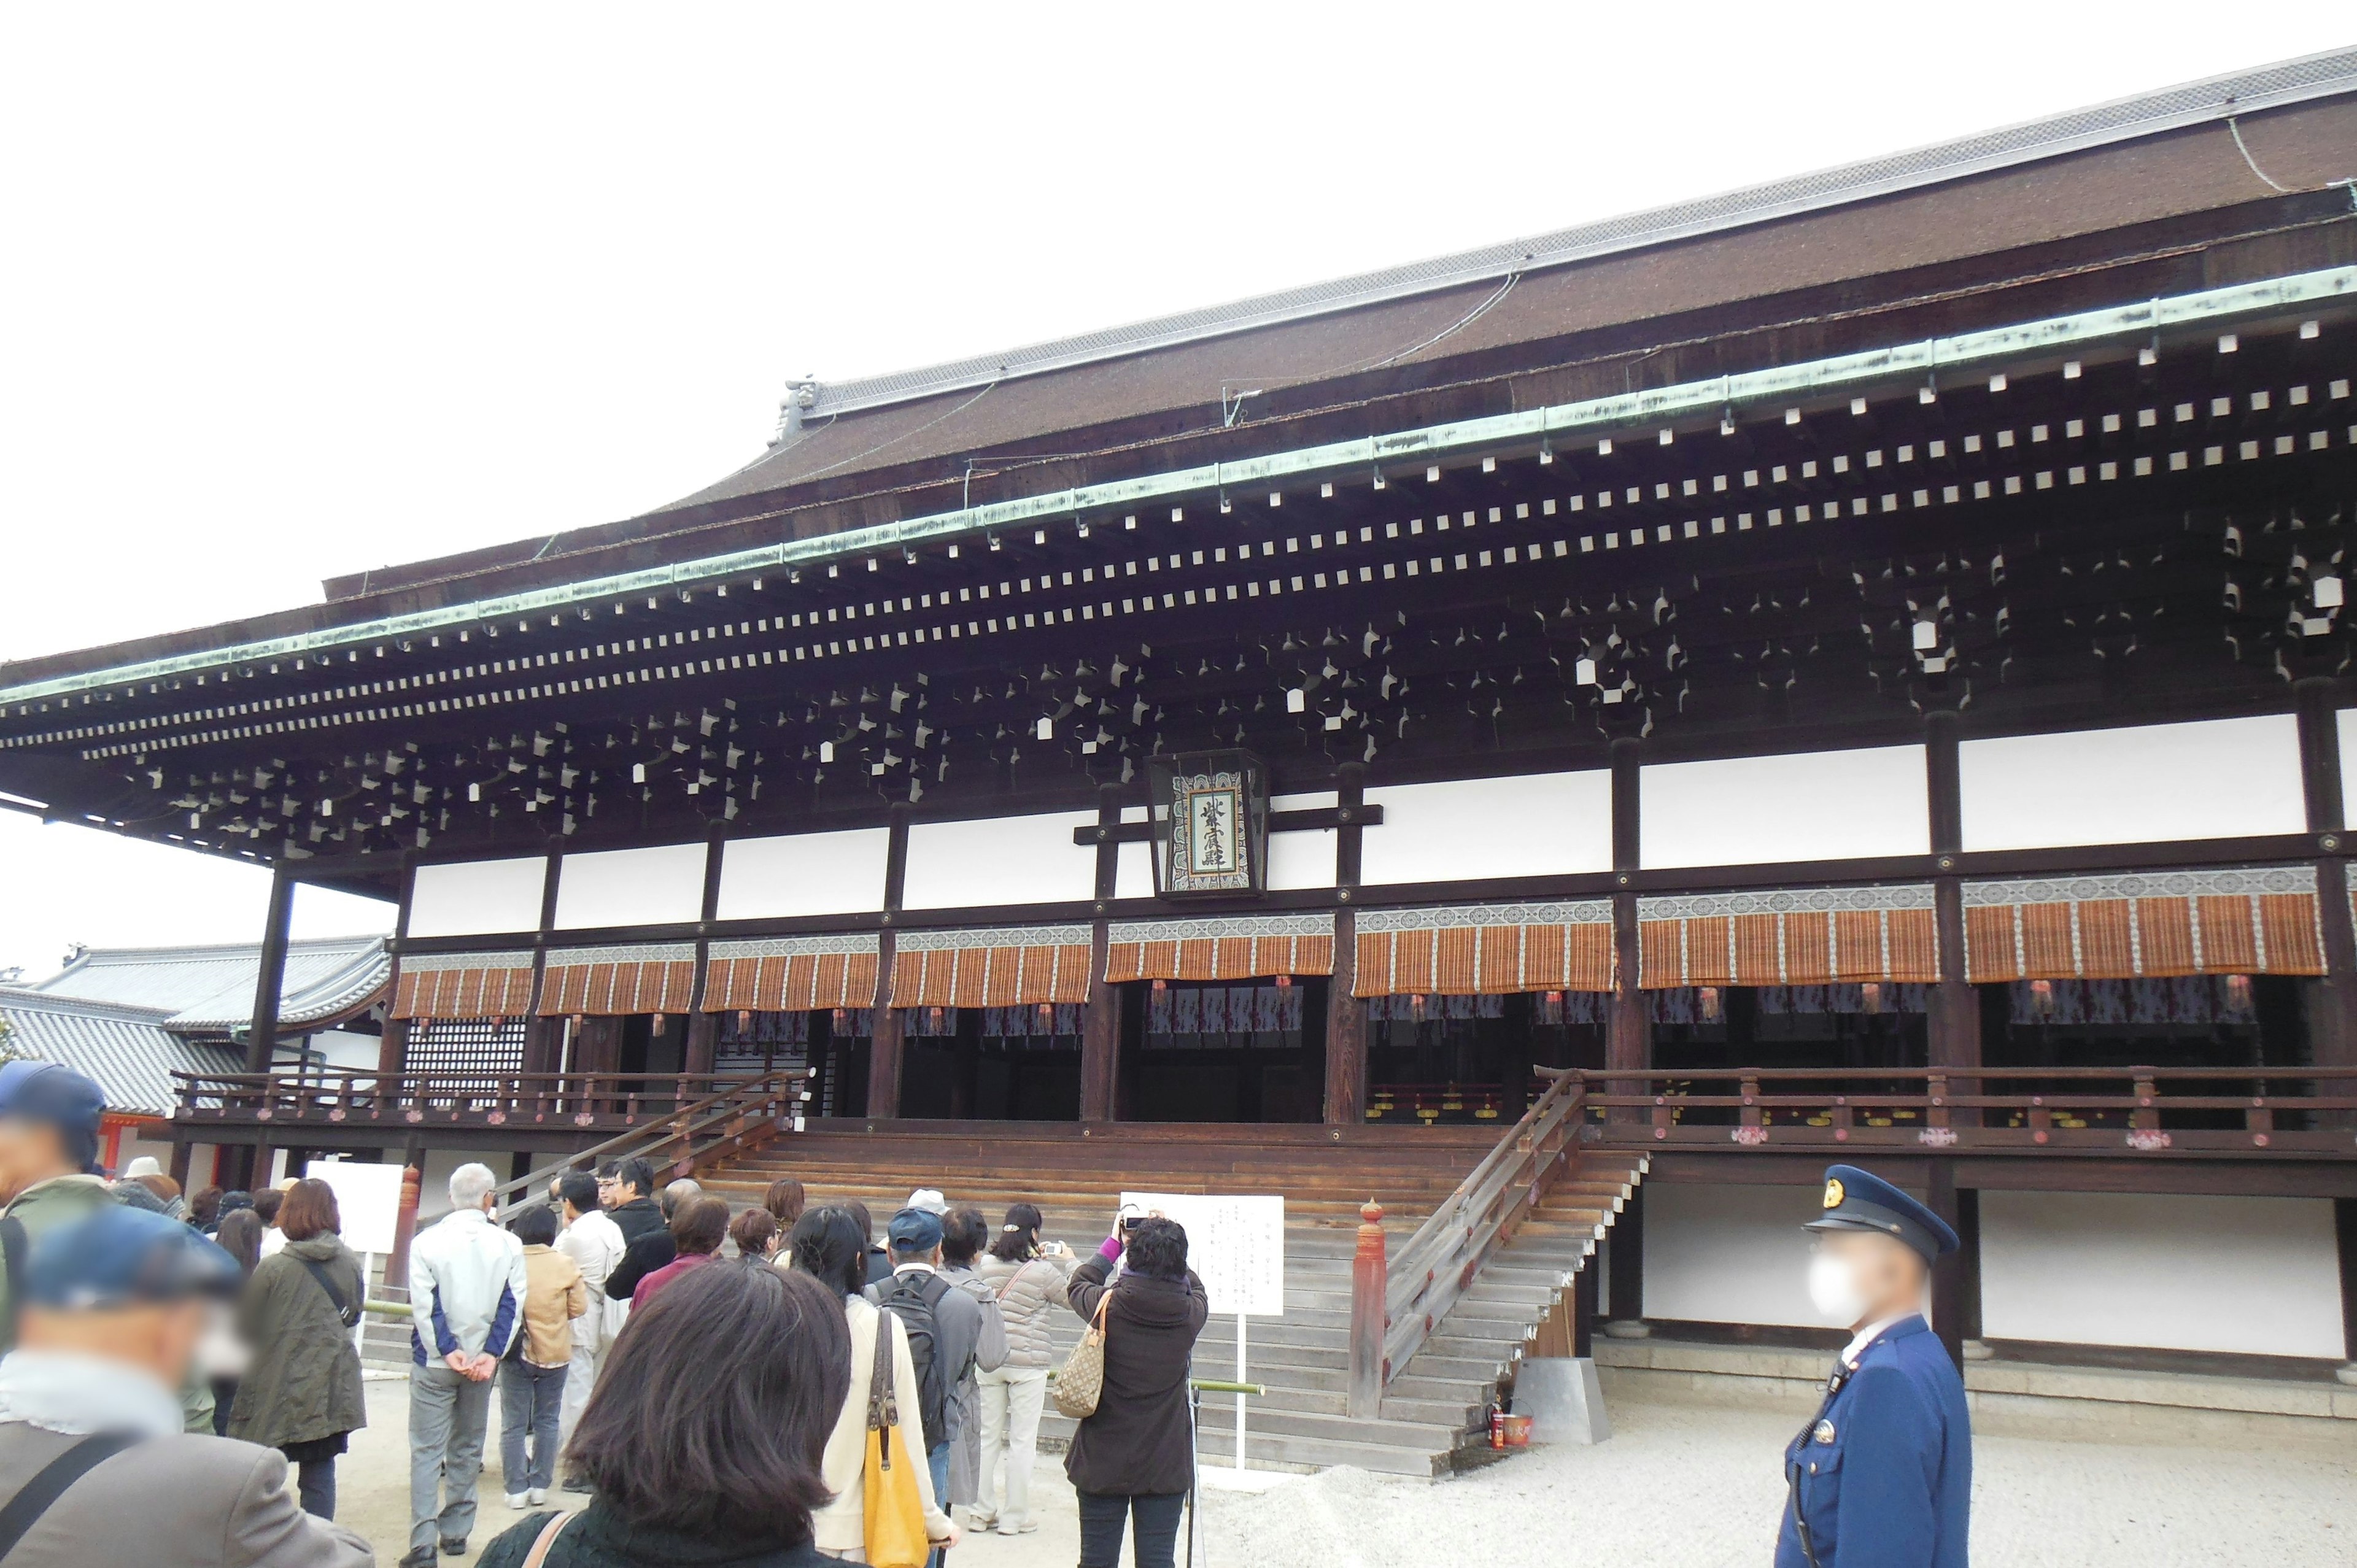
1848, 668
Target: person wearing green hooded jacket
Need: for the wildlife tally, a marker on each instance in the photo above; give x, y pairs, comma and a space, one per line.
50, 1177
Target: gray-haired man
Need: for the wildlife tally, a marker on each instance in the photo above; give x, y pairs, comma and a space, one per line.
466, 1302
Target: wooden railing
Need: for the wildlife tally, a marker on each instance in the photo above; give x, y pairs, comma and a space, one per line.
1429, 1273
2130, 1110
699, 1134
447, 1100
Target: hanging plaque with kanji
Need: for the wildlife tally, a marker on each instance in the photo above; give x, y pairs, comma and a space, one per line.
1210, 823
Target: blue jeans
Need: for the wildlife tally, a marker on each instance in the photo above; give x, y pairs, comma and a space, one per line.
531, 1399
937, 1460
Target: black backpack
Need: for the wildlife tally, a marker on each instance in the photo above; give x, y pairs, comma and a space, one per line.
910, 1297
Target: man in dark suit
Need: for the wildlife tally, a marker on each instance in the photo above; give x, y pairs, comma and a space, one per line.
1883, 1474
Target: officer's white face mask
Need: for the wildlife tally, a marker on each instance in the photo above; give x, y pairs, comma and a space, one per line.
1834, 1288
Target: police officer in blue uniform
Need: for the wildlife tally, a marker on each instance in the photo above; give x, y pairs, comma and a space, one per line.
1882, 1475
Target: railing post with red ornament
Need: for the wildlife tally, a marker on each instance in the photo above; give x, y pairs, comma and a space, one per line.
1370, 1285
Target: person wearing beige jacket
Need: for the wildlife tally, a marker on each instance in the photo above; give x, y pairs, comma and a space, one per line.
832, 1245
532, 1378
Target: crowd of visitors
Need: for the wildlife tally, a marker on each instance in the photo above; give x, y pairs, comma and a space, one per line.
783, 1386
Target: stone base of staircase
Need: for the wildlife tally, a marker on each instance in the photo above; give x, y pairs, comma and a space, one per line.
2021, 1398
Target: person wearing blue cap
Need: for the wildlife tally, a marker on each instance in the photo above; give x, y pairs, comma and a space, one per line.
94, 1466
49, 1163
945, 1326
1883, 1473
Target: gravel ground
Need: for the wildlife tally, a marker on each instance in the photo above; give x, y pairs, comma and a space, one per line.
1680, 1486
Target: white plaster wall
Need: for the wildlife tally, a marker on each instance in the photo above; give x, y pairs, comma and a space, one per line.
2257, 1275
2213, 779
1133, 871
1813, 805
659, 885
2347, 731
346, 1052
1530, 824
129, 1146
1719, 1253
999, 860
804, 873
474, 898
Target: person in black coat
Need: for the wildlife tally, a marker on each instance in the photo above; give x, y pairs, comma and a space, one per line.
1136, 1456
646, 1234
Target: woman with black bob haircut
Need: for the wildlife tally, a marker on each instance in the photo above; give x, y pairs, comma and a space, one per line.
705, 1439
1136, 1456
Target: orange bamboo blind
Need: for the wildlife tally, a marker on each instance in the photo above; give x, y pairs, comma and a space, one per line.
1484, 950
1012, 968
1813, 937
1241, 948
2257, 921
790, 974
618, 982
464, 985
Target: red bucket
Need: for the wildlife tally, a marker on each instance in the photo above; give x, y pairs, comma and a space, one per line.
1509, 1430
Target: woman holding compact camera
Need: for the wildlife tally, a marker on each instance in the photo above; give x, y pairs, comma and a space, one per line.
1134, 1457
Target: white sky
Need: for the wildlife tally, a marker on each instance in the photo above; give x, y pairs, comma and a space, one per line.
291, 291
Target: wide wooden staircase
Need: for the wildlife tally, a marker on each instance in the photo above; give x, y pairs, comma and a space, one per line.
1563, 1198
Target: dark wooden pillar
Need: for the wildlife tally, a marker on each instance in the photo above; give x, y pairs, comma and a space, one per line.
702, 1028
2332, 1011
270, 979
1346, 1015
884, 1040
1627, 1045
2344, 1226
543, 1038
183, 1151
1954, 1024
1626, 1304
1949, 1307
1100, 1018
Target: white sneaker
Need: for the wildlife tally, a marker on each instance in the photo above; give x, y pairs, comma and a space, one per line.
537, 1496
1013, 1526
516, 1501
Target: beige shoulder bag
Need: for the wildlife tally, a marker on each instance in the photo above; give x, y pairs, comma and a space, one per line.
1080, 1384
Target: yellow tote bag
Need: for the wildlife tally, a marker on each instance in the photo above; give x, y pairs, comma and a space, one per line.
895, 1510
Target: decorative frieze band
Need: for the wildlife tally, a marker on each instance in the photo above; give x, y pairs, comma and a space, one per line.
1012, 967
1810, 935
464, 985
792, 974
2231, 920
1224, 946
608, 981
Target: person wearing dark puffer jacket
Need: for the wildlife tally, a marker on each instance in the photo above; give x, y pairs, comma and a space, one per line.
1136, 1456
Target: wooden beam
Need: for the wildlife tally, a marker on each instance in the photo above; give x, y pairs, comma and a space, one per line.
1627, 1032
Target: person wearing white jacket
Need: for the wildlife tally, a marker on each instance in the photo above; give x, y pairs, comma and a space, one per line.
594, 1241
467, 1286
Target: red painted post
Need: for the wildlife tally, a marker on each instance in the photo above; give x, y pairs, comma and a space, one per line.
1370, 1284
404, 1224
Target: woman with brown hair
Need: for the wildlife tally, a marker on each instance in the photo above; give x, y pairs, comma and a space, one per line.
705, 1439
302, 1395
697, 1229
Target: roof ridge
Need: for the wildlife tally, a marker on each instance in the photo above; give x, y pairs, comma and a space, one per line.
78, 1006
2324, 74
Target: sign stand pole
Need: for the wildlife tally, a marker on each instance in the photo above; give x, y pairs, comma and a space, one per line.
1240, 1321
360, 1329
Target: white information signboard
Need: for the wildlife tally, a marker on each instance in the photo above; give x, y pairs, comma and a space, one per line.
1236, 1245
368, 1201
